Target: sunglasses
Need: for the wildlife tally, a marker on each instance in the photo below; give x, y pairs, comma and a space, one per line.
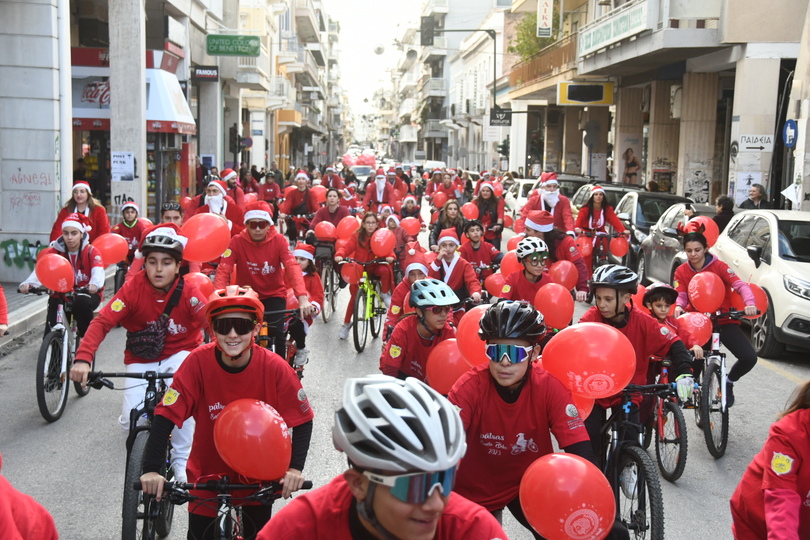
537, 259
170, 206
224, 326
438, 310
416, 488
515, 354
258, 224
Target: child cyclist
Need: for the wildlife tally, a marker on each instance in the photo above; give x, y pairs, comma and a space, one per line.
659, 299
403, 441
139, 307
459, 275
232, 367
478, 252
415, 336
305, 257
524, 284
131, 229
414, 268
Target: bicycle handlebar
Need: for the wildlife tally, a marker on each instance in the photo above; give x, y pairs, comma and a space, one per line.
39, 291
283, 312
97, 379
178, 492
648, 388
364, 264
732, 314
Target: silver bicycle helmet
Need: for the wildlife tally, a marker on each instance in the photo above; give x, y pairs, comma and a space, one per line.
614, 276
530, 245
164, 239
432, 292
391, 425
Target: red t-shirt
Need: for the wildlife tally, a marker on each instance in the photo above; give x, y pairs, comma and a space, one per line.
395, 311
132, 235
323, 214
779, 469
517, 287
201, 388
269, 191
481, 257
314, 287
487, 219
503, 439
332, 181
324, 513
293, 198
408, 352
136, 305
685, 272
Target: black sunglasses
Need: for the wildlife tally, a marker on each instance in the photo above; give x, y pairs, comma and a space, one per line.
170, 206
224, 326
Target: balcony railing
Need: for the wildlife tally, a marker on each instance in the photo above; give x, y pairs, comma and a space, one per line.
433, 128
431, 86
407, 107
554, 59
259, 63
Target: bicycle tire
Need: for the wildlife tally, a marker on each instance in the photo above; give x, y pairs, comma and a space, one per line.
163, 522
335, 288
360, 324
138, 512
376, 321
52, 391
328, 283
643, 512
120, 274
672, 445
81, 392
715, 419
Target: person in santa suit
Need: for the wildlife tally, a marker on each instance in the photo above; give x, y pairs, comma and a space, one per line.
410, 209
131, 229
332, 180
349, 199
269, 192
490, 213
138, 307
433, 183
395, 181
232, 367
478, 252
561, 247
298, 202
415, 268
415, 336
456, 272
21, 516
235, 191
594, 216
379, 193
547, 197
484, 177
216, 200
400, 488
532, 253
402, 175
772, 499
305, 257
402, 238
263, 262
83, 202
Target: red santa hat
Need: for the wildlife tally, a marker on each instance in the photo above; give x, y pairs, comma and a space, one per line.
82, 184
305, 251
398, 166
77, 220
385, 207
259, 210
227, 174
409, 198
380, 173
391, 171
415, 259
219, 184
549, 178
449, 235
130, 204
485, 174
436, 171
301, 174
597, 189
330, 168
487, 184
394, 217
540, 220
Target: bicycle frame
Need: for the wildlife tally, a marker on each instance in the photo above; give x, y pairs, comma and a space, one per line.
717, 355
67, 331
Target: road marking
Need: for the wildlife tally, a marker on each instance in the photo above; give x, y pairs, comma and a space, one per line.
781, 371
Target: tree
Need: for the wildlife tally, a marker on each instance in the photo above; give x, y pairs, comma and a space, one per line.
526, 43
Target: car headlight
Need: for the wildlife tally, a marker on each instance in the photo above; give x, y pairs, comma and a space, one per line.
797, 286
640, 236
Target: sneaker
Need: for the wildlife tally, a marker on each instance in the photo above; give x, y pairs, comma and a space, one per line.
386, 298
729, 394
301, 357
628, 480
344, 331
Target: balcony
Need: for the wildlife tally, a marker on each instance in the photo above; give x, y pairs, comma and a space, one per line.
408, 133
433, 129
252, 72
289, 118
332, 55
436, 6
310, 118
317, 53
436, 52
306, 21
288, 50
406, 61
306, 69
555, 59
408, 83
407, 107
333, 102
281, 93
433, 87
334, 31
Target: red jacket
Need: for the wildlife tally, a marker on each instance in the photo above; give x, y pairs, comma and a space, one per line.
237, 195
685, 272
269, 191
332, 181
459, 276
314, 286
358, 251
98, 221
295, 198
517, 287
481, 257
407, 352
563, 218
488, 220
397, 307
22, 517
260, 265
132, 235
600, 219
372, 202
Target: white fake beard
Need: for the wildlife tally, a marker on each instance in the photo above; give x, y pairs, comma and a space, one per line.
552, 198
215, 203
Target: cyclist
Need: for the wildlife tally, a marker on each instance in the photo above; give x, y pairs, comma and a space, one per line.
659, 299
171, 212
402, 237
478, 252
403, 440
415, 268
432, 183
235, 192
83, 202
612, 286
378, 193
260, 255
731, 335
332, 180
490, 213
333, 212
414, 337
411, 209
450, 217
214, 375
138, 307
131, 229
396, 182
298, 201
548, 198
455, 271
594, 216
269, 191
359, 248
532, 253
216, 200
299, 328
88, 271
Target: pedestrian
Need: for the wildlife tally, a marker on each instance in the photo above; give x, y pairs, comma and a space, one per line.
725, 211
756, 199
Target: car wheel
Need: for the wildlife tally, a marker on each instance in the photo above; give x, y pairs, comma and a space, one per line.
642, 269
763, 335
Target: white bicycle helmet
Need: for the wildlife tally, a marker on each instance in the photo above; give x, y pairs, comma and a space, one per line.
391, 425
432, 292
530, 245
164, 239
614, 276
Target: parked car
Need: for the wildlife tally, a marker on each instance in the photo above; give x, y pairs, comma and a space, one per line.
638, 211
780, 267
517, 195
662, 251
570, 183
613, 193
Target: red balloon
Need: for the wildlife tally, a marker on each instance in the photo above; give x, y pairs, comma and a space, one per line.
397, 206
292, 300
411, 225
510, 264
760, 300
208, 237
711, 231
445, 365
184, 201
351, 272
203, 283
507, 221
55, 272
619, 246
584, 245
497, 189
697, 324
113, 248
584, 405
253, 439
592, 359
494, 284
472, 347
320, 193
470, 210
383, 242
565, 496
564, 273
556, 304
439, 199
402, 192
146, 222
325, 231
511, 245
638, 296
706, 291
347, 227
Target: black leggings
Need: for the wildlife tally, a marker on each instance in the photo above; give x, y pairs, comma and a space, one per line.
275, 323
298, 333
735, 340
83, 307
253, 519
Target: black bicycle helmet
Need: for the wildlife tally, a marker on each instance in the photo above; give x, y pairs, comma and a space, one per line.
473, 223
614, 276
660, 289
512, 320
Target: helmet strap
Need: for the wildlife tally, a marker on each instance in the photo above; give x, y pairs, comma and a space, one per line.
424, 324
366, 510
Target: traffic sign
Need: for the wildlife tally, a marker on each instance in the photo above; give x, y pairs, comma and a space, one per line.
500, 117
789, 133
224, 45
247, 142
756, 143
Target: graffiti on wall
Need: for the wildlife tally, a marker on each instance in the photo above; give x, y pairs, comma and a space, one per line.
697, 187
20, 254
27, 199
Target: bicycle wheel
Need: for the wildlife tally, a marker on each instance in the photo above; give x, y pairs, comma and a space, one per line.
335, 287
139, 512
163, 522
715, 419
120, 273
52, 386
377, 310
78, 386
670, 440
327, 278
360, 323
640, 505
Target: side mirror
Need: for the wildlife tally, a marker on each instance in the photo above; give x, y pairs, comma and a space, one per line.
755, 252
671, 233
624, 216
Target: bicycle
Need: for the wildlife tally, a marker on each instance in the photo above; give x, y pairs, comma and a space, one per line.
120, 274
142, 517
631, 472
264, 339
229, 520
671, 443
55, 358
600, 252
369, 308
301, 223
324, 255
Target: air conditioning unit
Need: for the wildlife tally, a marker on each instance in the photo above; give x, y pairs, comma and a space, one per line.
174, 141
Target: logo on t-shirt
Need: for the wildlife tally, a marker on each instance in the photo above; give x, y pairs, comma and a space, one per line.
522, 445
267, 269
781, 464
506, 288
571, 410
302, 396
227, 253
395, 351
395, 310
170, 396
118, 305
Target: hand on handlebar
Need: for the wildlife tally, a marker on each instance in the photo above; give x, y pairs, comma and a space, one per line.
577, 230
152, 484
293, 481
581, 296
338, 260
476, 296
79, 372
751, 310
24, 288
686, 385
305, 307
389, 260
3, 329
92, 289
678, 311
697, 350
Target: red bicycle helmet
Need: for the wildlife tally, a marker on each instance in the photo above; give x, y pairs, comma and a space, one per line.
234, 299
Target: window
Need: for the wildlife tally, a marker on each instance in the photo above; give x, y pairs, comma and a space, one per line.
741, 231
760, 233
626, 206
672, 217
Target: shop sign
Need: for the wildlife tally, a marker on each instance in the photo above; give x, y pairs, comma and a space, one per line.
205, 73
225, 45
545, 16
91, 93
622, 24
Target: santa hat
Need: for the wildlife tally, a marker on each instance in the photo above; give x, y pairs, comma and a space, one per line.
82, 184
330, 168
385, 207
131, 204
301, 174
548, 175
77, 221
391, 171
380, 174
415, 259
227, 174
540, 220
398, 166
597, 189
449, 235
221, 185
487, 184
436, 171
394, 217
259, 210
485, 173
305, 251
425, 175
409, 198
452, 171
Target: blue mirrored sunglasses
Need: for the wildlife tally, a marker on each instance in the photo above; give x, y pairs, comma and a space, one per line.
416, 488
515, 354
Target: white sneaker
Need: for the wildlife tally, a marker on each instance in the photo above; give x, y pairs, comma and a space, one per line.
344, 331
301, 357
628, 480
179, 469
386, 298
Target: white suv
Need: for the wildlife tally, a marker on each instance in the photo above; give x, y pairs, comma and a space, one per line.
772, 249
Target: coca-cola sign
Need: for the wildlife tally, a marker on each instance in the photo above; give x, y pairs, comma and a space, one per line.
91, 93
